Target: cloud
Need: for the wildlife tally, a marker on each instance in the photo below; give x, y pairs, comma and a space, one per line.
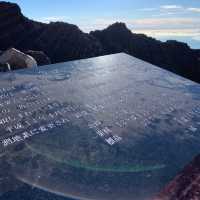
163, 23
147, 9
197, 38
152, 23
162, 26
147, 23
179, 8
154, 27
194, 33
162, 8
52, 19
184, 35
168, 27
171, 7
164, 14
194, 9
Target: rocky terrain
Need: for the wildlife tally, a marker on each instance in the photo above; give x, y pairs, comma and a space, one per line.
12, 59
39, 56
171, 55
186, 186
60, 41
63, 42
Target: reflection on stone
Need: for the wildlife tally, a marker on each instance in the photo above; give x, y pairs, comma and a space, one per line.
111, 127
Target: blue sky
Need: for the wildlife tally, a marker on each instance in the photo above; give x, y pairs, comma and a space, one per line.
162, 19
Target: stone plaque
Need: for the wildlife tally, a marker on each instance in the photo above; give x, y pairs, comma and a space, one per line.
111, 127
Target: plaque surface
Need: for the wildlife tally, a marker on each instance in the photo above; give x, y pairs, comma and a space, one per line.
111, 127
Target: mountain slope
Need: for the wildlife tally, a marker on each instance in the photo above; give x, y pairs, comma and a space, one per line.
63, 42
172, 55
60, 41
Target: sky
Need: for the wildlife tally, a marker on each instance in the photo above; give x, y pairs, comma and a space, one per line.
161, 19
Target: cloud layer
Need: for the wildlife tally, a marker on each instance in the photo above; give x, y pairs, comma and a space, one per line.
162, 21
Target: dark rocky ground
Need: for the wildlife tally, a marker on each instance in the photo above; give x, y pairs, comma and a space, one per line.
186, 186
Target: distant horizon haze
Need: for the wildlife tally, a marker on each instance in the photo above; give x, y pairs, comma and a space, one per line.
162, 19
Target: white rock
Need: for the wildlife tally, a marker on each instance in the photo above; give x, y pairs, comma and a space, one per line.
17, 59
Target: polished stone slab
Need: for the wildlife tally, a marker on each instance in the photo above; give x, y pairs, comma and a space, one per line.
100, 128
